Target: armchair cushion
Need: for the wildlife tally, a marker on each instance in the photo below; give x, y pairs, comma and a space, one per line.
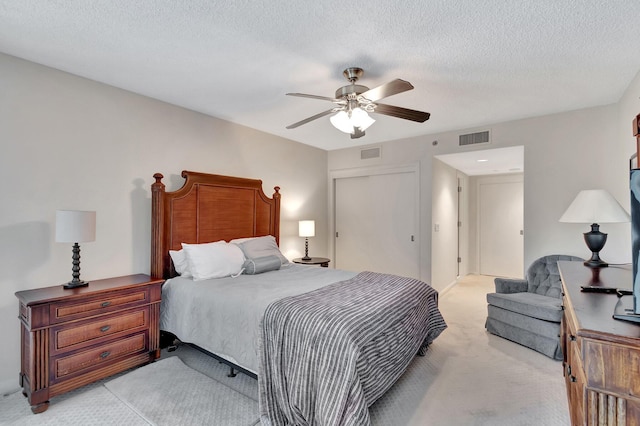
529, 304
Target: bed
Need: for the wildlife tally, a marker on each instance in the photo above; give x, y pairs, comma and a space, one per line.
323, 343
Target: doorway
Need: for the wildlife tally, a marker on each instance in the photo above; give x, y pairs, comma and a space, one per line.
501, 173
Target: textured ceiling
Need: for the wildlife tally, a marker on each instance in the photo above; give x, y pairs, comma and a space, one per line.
472, 62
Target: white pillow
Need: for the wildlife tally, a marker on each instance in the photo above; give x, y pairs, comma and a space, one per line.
180, 262
261, 247
213, 260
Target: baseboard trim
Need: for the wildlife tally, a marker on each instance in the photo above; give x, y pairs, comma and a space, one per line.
447, 288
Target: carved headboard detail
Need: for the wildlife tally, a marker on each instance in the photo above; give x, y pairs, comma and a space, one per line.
208, 208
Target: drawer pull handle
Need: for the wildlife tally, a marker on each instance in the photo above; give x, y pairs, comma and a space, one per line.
105, 328
105, 304
105, 354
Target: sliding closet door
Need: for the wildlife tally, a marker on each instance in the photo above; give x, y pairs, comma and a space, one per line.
376, 223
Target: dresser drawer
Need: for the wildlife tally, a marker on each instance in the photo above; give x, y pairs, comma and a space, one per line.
613, 368
72, 310
66, 337
98, 356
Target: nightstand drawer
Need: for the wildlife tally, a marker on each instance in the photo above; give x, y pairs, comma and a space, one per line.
67, 311
65, 337
100, 355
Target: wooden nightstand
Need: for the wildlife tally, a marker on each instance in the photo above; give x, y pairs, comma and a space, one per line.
322, 261
70, 338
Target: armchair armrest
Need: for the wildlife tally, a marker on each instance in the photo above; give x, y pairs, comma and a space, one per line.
504, 285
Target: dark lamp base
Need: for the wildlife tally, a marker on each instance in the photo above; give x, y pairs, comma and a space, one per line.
76, 284
306, 256
75, 281
595, 263
595, 242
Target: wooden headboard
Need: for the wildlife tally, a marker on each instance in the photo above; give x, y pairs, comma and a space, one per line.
208, 208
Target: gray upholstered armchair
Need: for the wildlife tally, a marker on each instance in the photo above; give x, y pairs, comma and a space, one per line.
529, 311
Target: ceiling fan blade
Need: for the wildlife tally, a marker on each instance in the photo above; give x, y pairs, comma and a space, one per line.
388, 89
322, 98
306, 120
399, 112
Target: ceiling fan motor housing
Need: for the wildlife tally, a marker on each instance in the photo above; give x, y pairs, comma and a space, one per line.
355, 89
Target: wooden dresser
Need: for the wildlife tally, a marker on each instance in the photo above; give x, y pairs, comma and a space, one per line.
70, 338
601, 354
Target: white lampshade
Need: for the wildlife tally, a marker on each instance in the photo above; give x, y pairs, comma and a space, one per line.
74, 226
342, 122
361, 119
595, 206
346, 121
307, 228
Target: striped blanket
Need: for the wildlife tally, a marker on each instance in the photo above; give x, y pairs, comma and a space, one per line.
328, 354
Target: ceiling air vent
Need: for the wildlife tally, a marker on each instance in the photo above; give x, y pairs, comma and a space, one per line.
474, 138
369, 153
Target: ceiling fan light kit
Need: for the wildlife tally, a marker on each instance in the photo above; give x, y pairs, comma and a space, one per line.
347, 121
354, 102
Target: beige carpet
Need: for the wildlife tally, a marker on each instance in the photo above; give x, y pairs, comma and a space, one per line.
167, 392
468, 377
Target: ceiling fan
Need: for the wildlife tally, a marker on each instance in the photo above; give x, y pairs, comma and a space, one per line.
354, 101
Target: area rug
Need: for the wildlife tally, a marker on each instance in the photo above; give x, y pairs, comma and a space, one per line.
167, 392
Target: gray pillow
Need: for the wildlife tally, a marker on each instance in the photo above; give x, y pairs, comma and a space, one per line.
262, 246
259, 265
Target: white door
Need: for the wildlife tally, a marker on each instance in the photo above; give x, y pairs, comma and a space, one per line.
501, 241
376, 224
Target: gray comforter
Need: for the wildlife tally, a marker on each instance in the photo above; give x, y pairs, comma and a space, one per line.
223, 315
328, 354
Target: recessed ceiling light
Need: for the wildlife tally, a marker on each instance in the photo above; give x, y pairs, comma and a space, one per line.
482, 161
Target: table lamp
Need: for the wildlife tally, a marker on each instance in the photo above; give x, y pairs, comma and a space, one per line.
306, 228
595, 206
74, 226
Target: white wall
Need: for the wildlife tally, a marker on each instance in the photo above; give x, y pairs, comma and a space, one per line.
71, 143
564, 153
444, 211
